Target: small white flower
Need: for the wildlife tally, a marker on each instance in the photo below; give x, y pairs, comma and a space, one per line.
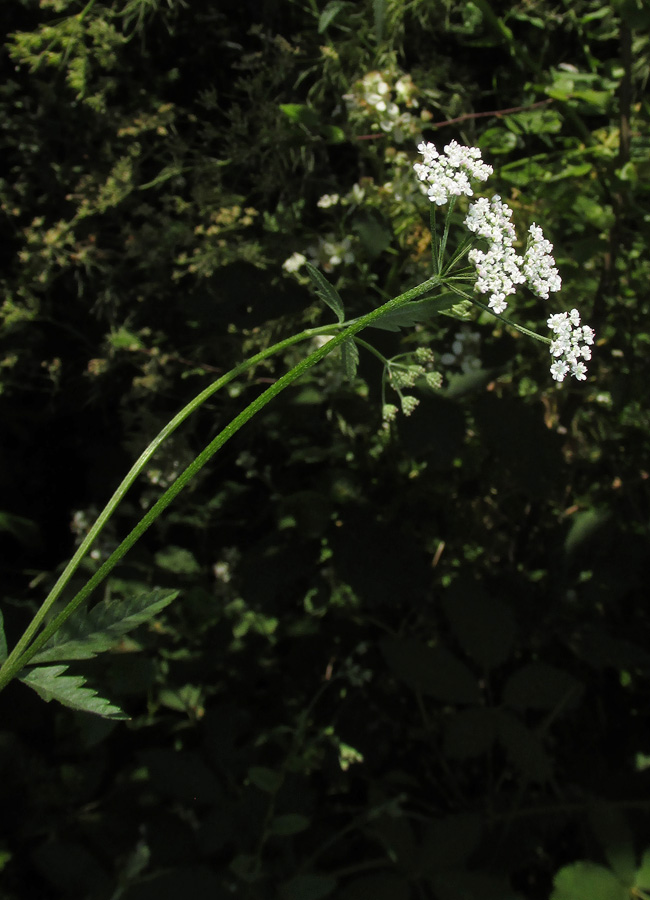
294, 262
328, 200
448, 176
570, 346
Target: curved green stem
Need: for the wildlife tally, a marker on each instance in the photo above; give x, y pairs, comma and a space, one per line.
502, 318
28, 645
140, 464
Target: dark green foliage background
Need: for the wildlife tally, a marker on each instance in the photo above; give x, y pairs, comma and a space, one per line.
406, 665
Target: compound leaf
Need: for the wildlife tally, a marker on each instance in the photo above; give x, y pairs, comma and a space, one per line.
414, 312
326, 291
50, 683
86, 634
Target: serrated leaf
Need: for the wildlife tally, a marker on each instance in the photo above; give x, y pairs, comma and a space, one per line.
85, 635
330, 12
413, 312
3, 640
50, 683
432, 670
540, 686
326, 291
350, 354
587, 881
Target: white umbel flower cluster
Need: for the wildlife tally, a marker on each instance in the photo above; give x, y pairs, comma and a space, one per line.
499, 269
448, 176
539, 265
571, 345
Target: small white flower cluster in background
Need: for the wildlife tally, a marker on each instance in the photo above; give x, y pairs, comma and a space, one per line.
327, 255
328, 200
448, 176
384, 98
571, 345
294, 262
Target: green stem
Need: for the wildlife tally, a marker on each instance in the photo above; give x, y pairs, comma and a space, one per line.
24, 650
371, 349
140, 464
502, 318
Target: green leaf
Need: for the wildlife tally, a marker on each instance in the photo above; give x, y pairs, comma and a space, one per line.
584, 526
3, 640
379, 14
330, 12
350, 354
414, 312
300, 115
85, 635
326, 291
642, 877
540, 686
483, 625
50, 683
373, 231
431, 670
587, 881
267, 780
615, 837
308, 887
178, 560
290, 823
